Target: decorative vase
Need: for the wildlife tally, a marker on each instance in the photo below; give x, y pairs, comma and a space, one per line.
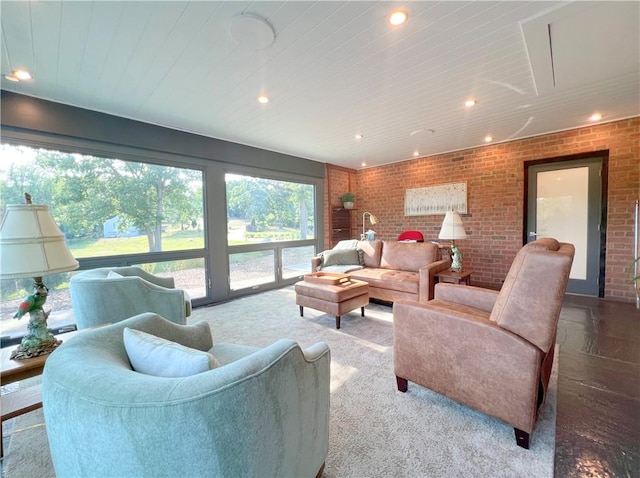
347, 205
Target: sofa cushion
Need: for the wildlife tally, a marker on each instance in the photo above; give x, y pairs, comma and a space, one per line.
408, 256
372, 251
340, 257
402, 281
160, 357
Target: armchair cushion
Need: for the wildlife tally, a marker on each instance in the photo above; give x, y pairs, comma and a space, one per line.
534, 288
164, 358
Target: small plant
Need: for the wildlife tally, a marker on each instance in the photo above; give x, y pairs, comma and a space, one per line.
348, 197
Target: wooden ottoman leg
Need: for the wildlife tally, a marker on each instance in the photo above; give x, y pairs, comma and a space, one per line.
337, 321
362, 311
301, 309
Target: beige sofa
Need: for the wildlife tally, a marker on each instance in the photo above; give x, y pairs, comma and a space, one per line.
394, 270
492, 351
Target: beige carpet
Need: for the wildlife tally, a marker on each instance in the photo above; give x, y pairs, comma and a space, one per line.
375, 430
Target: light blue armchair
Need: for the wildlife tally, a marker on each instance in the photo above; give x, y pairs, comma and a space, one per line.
111, 294
262, 413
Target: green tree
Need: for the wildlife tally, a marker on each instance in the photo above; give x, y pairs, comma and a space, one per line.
84, 191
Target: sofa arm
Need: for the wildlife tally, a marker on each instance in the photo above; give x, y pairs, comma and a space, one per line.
315, 263
457, 351
427, 279
477, 297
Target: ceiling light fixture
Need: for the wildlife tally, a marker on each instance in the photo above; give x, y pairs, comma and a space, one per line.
595, 117
488, 139
358, 136
398, 17
263, 99
364, 163
416, 153
11, 78
22, 75
470, 103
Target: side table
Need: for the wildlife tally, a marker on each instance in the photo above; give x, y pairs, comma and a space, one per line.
451, 277
28, 399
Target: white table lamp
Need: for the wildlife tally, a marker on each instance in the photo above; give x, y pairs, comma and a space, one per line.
451, 230
32, 245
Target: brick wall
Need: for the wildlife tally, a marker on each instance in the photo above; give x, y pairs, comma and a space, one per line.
495, 188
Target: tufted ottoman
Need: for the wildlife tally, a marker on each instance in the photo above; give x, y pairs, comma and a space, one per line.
332, 298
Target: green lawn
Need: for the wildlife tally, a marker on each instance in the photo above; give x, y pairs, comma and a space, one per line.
171, 241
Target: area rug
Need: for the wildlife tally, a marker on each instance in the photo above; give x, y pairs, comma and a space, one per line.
375, 431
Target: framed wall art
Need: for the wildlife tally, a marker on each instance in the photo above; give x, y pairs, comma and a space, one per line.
432, 200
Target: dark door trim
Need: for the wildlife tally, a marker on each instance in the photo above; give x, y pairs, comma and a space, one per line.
603, 155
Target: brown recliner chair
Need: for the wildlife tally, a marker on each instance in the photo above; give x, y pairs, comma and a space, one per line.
492, 351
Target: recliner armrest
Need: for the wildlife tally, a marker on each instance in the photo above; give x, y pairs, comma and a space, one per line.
477, 297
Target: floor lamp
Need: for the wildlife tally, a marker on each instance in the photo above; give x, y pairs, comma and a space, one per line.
32, 245
451, 230
372, 219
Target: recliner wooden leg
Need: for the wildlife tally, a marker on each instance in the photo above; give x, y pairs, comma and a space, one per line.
403, 384
337, 321
301, 308
362, 311
522, 438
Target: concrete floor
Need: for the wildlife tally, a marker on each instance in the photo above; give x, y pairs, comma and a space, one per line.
598, 421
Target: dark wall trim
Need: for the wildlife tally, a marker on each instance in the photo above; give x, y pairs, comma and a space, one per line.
20, 112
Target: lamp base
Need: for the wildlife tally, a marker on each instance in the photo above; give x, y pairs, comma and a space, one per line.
456, 263
39, 341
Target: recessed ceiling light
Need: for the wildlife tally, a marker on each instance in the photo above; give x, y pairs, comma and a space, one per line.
470, 103
263, 99
22, 74
595, 117
358, 136
11, 78
416, 153
364, 163
488, 139
398, 17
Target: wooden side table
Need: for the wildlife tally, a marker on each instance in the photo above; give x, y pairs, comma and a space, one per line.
28, 399
451, 277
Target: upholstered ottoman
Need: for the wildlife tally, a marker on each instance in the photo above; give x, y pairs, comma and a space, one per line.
335, 299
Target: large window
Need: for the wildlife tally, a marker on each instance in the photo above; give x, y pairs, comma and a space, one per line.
268, 221
113, 213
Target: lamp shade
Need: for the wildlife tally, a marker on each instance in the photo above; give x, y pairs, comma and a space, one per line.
452, 227
31, 243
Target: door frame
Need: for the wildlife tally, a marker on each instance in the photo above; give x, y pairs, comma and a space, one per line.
604, 180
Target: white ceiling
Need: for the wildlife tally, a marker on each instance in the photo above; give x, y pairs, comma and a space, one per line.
334, 69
